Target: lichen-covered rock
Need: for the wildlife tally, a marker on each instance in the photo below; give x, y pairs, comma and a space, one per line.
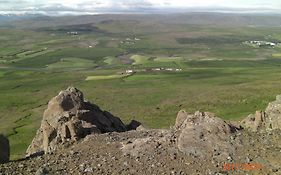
68, 118
4, 149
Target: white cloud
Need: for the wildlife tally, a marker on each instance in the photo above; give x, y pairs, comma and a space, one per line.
98, 6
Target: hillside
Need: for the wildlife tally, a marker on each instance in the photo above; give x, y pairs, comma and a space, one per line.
138, 67
198, 143
196, 18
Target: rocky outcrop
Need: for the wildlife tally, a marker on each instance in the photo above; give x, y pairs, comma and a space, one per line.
4, 149
199, 135
199, 143
203, 134
152, 152
273, 114
270, 119
68, 118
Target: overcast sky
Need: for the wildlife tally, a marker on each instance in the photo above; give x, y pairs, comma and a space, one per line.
137, 6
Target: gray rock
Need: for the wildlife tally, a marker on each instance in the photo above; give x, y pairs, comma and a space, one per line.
273, 114
181, 117
254, 122
204, 133
42, 171
89, 170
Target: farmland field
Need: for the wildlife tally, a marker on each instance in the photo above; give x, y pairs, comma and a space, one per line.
217, 72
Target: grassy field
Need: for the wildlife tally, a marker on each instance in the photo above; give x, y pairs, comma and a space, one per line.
219, 73
72, 63
103, 77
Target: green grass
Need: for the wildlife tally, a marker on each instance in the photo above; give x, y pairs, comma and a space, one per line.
168, 59
24, 93
276, 55
94, 54
103, 77
72, 63
111, 60
139, 59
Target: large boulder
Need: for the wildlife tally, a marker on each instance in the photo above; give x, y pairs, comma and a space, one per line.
68, 118
4, 149
203, 134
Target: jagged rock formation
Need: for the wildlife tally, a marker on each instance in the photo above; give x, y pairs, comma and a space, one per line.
269, 119
68, 118
4, 149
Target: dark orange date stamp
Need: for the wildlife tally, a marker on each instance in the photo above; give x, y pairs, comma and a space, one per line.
242, 166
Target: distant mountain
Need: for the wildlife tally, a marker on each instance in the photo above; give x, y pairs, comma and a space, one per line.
4, 17
225, 19
11, 16
7, 20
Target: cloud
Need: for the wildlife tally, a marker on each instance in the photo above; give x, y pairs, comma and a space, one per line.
137, 6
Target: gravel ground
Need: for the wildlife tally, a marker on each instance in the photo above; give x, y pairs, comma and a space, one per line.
120, 153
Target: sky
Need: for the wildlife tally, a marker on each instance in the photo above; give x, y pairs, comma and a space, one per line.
53, 7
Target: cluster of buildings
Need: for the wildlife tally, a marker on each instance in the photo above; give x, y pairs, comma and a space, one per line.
131, 71
130, 41
262, 43
72, 33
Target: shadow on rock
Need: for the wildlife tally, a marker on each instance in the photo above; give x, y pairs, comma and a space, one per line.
4, 149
